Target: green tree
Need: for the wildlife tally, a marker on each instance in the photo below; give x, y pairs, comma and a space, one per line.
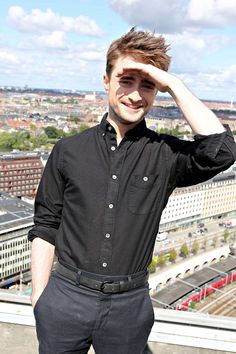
53, 132
184, 251
22, 141
204, 244
214, 241
39, 140
192, 305
33, 127
83, 127
161, 259
7, 140
152, 266
233, 236
173, 255
195, 247
72, 132
74, 119
176, 130
226, 235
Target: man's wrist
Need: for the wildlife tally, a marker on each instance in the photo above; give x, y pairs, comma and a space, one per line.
36, 295
175, 86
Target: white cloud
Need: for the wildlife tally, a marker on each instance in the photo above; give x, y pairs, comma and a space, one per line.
211, 13
218, 84
88, 52
196, 52
190, 41
161, 16
40, 64
8, 57
176, 16
48, 21
187, 51
229, 75
92, 55
54, 40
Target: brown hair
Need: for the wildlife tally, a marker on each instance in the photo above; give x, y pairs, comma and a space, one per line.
140, 45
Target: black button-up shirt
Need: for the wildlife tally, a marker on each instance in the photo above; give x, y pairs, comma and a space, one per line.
100, 204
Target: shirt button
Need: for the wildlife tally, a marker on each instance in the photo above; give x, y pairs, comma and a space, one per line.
110, 128
114, 176
104, 265
113, 148
145, 179
108, 235
111, 206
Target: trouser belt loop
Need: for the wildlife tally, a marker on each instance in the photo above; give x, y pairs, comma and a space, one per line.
78, 275
129, 281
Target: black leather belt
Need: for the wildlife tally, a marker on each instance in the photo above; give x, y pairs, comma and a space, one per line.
107, 286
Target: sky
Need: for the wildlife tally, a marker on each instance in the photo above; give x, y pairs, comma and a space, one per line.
62, 44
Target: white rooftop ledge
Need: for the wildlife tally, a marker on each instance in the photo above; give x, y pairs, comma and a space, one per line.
194, 330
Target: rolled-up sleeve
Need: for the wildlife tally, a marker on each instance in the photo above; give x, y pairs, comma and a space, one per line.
49, 198
205, 157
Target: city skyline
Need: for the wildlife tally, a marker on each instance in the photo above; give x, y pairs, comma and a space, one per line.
53, 45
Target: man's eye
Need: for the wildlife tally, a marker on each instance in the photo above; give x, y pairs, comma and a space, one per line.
149, 86
125, 82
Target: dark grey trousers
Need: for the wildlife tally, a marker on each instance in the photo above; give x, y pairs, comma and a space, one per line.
69, 318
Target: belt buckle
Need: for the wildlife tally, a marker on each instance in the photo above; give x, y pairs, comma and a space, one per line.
103, 286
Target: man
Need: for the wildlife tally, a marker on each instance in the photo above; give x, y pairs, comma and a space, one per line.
100, 201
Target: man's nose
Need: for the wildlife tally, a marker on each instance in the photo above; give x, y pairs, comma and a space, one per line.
135, 95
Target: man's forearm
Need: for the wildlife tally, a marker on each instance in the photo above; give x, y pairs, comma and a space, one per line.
201, 119
41, 264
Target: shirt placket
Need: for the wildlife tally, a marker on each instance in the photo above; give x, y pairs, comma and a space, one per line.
117, 155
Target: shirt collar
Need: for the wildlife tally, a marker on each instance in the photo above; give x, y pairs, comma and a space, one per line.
137, 132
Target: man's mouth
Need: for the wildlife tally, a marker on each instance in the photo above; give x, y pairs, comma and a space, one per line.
133, 107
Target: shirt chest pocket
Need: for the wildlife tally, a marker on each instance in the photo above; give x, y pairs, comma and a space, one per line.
143, 194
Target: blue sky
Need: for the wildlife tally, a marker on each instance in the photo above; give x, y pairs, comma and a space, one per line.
62, 44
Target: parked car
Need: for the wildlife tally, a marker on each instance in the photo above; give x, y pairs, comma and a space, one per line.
166, 241
161, 236
221, 223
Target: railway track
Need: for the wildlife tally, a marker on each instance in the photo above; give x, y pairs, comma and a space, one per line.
222, 305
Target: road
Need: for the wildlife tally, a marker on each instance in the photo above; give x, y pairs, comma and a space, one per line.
215, 232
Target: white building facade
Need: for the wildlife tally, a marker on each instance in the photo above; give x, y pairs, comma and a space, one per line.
212, 199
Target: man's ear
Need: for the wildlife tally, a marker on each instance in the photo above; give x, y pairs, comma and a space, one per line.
106, 82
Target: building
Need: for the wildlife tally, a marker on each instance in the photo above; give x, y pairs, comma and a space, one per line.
20, 173
205, 201
16, 218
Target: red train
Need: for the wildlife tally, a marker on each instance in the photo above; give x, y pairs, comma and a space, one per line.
197, 297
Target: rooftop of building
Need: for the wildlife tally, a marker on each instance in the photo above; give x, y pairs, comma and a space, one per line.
18, 338
19, 155
14, 213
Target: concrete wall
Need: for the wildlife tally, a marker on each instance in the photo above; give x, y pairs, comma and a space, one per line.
180, 270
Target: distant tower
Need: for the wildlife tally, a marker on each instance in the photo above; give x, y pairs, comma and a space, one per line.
232, 102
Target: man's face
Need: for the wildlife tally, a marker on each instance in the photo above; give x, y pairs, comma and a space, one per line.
130, 94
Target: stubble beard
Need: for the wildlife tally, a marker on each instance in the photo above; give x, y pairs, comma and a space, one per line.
117, 117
